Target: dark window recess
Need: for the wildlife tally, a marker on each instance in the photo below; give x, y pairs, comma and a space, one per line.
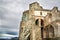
51, 30
47, 33
37, 22
41, 32
42, 22
40, 13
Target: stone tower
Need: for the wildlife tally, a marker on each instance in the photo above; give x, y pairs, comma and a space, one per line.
38, 23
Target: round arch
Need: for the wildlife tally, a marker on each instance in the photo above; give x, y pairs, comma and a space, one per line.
37, 22
49, 31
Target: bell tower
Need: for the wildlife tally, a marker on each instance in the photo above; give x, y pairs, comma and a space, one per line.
36, 13
39, 24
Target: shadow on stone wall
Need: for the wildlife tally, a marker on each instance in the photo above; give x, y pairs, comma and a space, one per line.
51, 38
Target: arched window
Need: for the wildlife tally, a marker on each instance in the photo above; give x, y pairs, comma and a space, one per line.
37, 22
47, 32
51, 31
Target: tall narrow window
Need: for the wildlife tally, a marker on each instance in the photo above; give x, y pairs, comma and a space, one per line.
41, 32
42, 22
51, 31
40, 13
47, 32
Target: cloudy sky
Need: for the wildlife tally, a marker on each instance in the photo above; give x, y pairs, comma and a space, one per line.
11, 13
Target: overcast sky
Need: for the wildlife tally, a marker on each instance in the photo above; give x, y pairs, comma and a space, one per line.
11, 13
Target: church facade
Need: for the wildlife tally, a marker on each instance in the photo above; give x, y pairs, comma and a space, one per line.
40, 24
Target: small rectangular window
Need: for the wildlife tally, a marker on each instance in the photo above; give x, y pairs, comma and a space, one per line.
40, 13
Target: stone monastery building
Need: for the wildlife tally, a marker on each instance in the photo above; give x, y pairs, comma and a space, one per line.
40, 24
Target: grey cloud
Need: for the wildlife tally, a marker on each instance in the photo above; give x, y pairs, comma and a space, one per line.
2, 12
6, 1
9, 26
8, 31
10, 20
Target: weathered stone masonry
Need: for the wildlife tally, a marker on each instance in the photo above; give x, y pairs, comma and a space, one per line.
38, 23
